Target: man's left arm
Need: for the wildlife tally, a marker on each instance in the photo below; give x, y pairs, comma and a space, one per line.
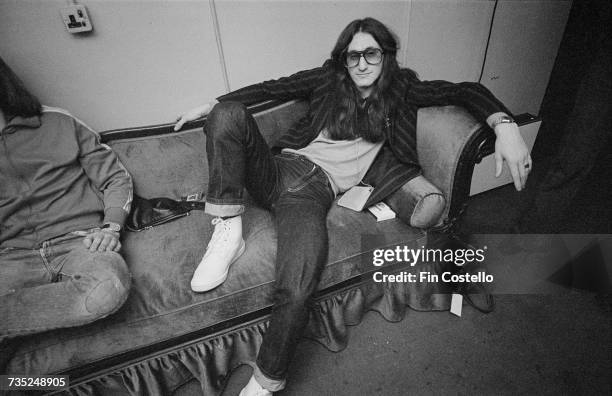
109, 176
485, 107
510, 147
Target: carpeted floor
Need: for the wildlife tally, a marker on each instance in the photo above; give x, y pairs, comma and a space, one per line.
544, 337
550, 339
531, 344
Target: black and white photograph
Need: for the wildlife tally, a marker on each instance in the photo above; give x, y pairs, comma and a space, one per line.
305, 197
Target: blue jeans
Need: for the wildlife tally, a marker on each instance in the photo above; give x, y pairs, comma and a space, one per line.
62, 284
299, 194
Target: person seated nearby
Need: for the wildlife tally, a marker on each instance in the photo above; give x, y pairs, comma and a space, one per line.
64, 197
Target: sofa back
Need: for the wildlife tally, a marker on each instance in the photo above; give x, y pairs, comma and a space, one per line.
164, 163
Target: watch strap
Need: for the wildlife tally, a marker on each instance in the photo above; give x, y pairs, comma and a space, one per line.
115, 227
503, 119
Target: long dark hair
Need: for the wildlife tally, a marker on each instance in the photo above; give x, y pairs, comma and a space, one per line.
344, 121
15, 100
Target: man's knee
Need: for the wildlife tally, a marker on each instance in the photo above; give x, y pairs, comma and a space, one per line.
108, 284
225, 114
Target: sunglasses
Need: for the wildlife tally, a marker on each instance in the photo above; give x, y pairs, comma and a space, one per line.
372, 56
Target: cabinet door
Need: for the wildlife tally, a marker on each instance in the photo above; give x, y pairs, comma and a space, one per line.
447, 39
524, 41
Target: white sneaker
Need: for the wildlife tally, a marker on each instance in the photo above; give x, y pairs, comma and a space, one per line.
254, 389
225, 246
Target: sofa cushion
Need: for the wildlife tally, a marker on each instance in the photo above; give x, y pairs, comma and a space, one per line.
418, 202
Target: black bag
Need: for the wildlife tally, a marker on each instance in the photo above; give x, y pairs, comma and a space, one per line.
148, 213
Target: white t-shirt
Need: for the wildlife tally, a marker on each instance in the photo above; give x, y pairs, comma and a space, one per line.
344, 161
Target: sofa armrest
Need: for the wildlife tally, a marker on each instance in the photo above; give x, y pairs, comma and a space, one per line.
449, 142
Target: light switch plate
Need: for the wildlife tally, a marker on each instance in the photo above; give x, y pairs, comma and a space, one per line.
76, 19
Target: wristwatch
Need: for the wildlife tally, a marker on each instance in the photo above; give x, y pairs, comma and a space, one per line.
504, 119
115, 227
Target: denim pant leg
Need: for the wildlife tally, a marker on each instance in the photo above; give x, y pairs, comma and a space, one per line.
21, 268
78, 286
238, 157
301, 213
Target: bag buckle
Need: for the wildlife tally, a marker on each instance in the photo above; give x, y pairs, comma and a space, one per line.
193, 197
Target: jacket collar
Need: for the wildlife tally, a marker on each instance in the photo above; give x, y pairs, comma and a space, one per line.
18, 122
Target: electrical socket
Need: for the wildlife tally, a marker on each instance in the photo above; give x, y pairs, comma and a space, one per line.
76, 19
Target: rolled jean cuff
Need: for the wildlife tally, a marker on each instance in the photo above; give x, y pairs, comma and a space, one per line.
268, 383
222, 210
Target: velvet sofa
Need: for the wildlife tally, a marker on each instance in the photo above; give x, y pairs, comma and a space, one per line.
166, 335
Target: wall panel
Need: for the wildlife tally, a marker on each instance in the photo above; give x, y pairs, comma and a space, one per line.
145, 62
447, 38
148, 60
269, 39
524, 42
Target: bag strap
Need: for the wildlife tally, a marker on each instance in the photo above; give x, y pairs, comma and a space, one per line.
150, 212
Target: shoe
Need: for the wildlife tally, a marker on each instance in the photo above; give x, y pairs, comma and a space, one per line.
254, 389
225, 246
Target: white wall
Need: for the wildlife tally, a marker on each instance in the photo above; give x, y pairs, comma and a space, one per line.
447, 39
148, 60
144, 62
441, 39
267, 39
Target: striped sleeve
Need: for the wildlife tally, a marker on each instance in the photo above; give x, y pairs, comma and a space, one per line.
474, 97
297, 86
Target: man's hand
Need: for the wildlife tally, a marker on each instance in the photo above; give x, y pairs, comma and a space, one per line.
102, 241
510, 147
194, 114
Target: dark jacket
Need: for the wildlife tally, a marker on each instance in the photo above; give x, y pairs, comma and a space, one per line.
398, 162
56, 177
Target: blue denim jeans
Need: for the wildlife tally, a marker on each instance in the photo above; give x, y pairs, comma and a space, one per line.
62, 284
299, 194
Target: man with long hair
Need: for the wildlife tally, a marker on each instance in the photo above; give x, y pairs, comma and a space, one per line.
360, 126
63, 199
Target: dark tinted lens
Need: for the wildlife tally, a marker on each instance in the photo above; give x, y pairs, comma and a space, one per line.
352, 59
373, 56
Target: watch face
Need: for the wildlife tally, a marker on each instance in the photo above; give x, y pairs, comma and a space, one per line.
112, 227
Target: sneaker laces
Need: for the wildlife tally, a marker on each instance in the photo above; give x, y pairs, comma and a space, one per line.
221, 231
